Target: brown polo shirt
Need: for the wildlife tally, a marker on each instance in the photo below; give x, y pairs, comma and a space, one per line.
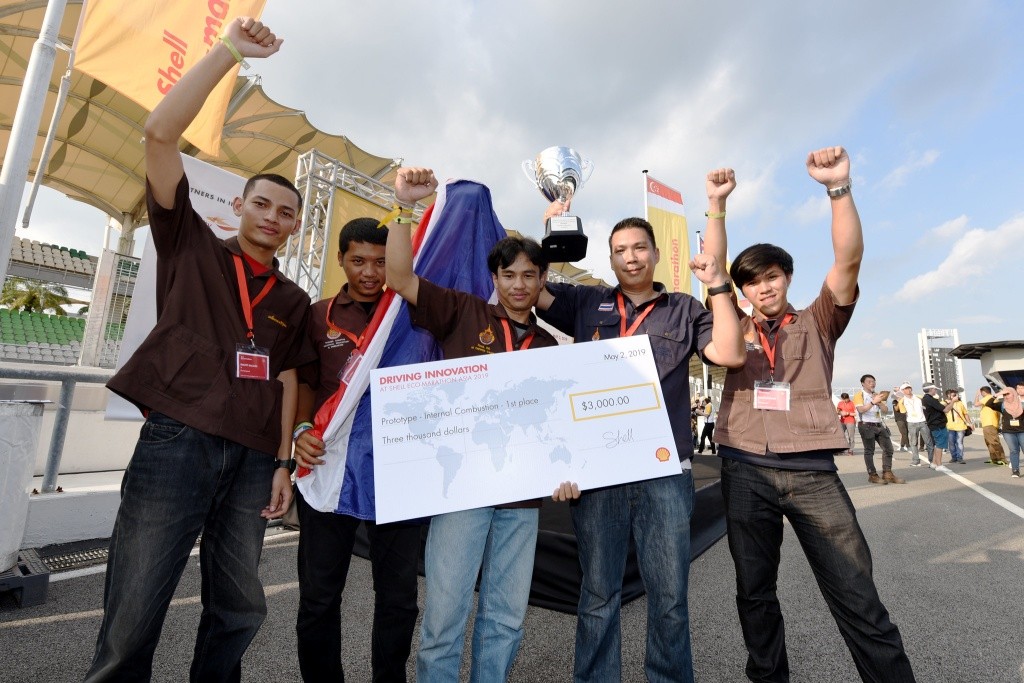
466, 325
185, 368
333, 346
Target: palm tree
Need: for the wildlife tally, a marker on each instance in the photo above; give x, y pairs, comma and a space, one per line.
20, 294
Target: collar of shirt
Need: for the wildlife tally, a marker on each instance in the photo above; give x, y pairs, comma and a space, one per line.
231, 244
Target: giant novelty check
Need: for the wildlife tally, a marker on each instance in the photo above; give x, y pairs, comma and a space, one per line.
480, 431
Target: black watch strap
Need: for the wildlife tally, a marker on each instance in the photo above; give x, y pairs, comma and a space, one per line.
720, 289
288, 464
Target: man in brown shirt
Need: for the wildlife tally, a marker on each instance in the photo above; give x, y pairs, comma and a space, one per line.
778, 435
216, 380
496, 542
336, 329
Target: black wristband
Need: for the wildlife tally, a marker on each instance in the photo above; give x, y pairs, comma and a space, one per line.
720, 289
288, 464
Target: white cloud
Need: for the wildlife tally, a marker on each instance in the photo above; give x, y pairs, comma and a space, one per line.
971, 259
917, 161
888, 344
949, 229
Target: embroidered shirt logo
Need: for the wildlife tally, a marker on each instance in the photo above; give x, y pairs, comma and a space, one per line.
606, 307
333, 334
279, 322
487, 336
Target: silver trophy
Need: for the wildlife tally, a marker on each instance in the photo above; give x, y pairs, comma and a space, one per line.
559, 172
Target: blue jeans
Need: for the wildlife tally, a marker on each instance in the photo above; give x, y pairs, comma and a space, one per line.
956, 445
1015, 443
181, 482
503, 542
657, 512
325, 552
825, 522
919, 433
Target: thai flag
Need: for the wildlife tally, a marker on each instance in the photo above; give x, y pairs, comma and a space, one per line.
450, 249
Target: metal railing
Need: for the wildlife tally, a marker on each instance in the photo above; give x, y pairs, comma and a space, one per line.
68, 378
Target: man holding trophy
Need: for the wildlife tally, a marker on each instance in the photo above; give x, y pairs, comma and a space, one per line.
656, 512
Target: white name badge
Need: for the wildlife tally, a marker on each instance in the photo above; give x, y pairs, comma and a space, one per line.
252, 362
771, 395
1014, 423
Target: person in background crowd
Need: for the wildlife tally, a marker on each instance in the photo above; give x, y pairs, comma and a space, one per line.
871, 409
917, 427
900, 416
935, 415
1011, 423
957, 422
847, 418
990, 426
709, 426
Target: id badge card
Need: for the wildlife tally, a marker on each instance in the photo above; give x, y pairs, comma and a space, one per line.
1014, 422
351, 364
771, 395
252, 362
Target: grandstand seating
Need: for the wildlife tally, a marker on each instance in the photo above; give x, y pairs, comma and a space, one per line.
52, 256
42, 338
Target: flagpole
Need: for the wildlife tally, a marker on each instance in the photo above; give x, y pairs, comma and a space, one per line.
644, 195
25, 126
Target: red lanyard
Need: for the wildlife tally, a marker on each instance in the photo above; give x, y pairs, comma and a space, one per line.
769, 350
243, 294
508, 338
334, 328
623, 332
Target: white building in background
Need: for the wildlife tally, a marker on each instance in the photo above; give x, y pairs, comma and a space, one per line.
938, 366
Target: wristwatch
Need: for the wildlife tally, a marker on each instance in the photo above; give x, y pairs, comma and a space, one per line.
288, 464
721, 289
837, 192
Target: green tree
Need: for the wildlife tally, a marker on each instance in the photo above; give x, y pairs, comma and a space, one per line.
20, 294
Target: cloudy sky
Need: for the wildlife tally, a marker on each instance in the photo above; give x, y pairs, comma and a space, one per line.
926, 96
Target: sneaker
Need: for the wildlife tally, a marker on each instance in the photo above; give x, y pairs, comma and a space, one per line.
873, 478
1016, 474
891, 478
961, 462
942, 468
931, 465
915, 464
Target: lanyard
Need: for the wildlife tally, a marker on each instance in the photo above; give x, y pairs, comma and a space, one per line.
623, 332
508, 338
243, 294
334, 328
769, 350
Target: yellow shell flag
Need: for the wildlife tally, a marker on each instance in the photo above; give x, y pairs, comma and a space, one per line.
141, 49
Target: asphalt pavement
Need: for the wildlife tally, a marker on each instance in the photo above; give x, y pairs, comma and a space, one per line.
947, 548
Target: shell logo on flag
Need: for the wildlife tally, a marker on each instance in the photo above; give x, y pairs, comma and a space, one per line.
663, 454
141, 49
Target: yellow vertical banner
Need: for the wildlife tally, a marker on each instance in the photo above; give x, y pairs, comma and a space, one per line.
141, 49
665, 212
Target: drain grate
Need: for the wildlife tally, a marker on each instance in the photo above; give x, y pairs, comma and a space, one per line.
76, 560
62, 557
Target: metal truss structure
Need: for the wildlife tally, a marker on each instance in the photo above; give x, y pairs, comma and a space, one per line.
319, 178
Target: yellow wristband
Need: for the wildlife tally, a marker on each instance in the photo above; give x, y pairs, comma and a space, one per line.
390, 217
402, 220
233, 50
720, 214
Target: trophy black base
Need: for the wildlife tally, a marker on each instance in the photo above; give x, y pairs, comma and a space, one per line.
564, 241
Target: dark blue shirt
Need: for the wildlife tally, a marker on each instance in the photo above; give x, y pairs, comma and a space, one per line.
678, 327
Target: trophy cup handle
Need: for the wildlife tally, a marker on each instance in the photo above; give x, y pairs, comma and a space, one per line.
588, 169
530, 169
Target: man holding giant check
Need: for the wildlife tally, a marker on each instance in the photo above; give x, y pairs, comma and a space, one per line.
656, 511
497, 542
